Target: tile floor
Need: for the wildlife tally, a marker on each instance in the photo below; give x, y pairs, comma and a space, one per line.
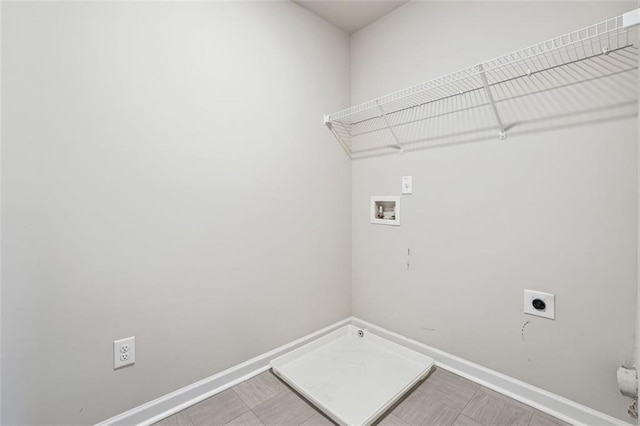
442, 399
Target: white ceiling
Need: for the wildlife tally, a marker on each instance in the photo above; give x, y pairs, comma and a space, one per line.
350, 15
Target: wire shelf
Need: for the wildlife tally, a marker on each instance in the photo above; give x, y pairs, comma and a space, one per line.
596, 67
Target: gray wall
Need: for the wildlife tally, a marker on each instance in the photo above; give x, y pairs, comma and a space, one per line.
166, 175
552, 208
163, 168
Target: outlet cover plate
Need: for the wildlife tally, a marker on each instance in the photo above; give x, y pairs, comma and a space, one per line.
549, 300
124, 352
407, 185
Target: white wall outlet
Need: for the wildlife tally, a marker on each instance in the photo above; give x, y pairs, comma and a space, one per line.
407, 184
124, 352
540, 304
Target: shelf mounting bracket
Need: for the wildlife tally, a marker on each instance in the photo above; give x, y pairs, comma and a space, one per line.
398, 145
492, 102
343, 144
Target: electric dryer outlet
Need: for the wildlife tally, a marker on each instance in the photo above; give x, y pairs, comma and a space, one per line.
540, 304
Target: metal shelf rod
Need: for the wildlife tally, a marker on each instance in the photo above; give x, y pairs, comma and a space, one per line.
398, 145
483, 76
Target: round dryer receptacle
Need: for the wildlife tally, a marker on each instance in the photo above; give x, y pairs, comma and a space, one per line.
539, 304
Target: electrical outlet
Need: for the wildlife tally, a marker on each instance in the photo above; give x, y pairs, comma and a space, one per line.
124, 352
407, 185
540, 304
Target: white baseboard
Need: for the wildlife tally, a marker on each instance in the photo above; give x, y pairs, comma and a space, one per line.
158, 409
552, 404
545, 401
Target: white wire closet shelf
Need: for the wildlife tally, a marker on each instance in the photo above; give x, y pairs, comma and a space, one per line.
580, 73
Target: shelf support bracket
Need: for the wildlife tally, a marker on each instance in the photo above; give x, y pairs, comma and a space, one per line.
492, 102
343, 144
398, 145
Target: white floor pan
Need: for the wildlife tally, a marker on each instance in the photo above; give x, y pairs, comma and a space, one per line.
352, 378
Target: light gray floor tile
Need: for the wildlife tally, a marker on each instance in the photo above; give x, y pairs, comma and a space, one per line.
420, 408
286, 408
543, 419
492, 409
463, 420
181, 418
449, 388
438, 401
258, 389
245, 419
318, 420
217, 410
391, 420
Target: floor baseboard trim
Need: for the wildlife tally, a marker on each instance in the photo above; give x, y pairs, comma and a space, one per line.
160, 408
545, 401
552, 404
